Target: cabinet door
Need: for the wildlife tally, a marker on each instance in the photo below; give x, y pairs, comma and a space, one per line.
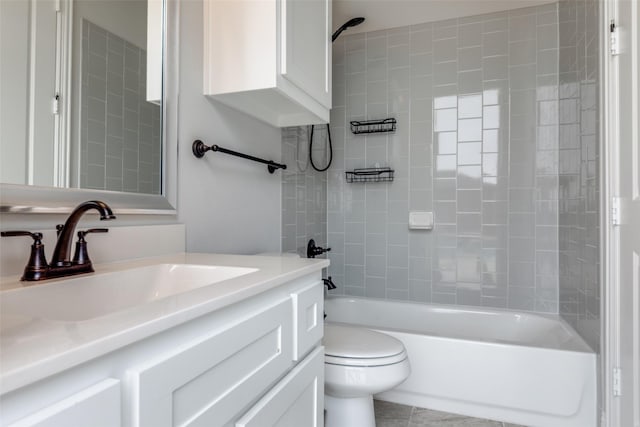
209, 382
97, 406
296, 401
308, 322
305, 51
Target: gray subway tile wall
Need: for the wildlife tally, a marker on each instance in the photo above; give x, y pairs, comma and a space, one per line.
489, 138
578, 168
304, 191
120, 135
476, 101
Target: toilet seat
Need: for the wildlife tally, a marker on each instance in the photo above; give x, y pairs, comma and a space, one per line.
352, 346
378, 361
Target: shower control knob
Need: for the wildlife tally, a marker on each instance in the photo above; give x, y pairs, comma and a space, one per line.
313, 250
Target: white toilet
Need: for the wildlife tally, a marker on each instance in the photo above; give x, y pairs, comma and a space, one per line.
359, 363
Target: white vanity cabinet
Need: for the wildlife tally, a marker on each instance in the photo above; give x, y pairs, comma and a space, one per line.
258, 362
207, 382
97, 406
270, 59
297, 400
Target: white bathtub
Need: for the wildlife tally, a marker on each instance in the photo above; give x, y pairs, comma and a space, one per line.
521, 368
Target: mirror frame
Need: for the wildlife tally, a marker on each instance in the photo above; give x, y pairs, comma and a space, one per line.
25, 199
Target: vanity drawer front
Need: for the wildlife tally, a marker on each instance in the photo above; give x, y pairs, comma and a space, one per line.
308, 321
98, 405
211, 381
296, 401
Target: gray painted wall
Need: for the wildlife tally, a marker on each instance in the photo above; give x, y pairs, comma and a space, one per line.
228, 204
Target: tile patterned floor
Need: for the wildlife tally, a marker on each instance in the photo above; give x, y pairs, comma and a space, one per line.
395, 415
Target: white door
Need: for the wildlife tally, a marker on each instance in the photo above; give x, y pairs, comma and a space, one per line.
623, 285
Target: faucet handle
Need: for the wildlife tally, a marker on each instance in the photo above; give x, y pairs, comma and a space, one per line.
82, 256
37, 237
37, 266
81, 234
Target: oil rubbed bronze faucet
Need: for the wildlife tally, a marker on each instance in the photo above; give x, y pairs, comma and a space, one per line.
62, 252
61, 264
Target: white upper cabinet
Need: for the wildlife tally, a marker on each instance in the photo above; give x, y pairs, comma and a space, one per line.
270, 58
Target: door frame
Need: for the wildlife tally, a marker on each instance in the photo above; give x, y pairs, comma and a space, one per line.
612, 382
609, 243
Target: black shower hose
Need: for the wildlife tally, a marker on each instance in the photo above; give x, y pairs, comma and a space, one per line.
313, 165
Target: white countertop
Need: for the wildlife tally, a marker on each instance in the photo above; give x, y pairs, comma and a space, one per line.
33, 348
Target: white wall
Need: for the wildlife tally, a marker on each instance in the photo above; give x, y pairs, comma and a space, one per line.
228, 204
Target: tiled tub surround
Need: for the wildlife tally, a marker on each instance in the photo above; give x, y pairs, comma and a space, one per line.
120, 141
578, 168
526, 368
304, 190
476, 100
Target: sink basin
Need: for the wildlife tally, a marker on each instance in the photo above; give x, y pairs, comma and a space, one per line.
87, 297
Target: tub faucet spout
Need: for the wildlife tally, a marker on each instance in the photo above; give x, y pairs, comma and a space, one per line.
329, 283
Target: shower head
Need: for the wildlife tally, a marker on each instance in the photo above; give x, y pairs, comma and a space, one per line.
350, 23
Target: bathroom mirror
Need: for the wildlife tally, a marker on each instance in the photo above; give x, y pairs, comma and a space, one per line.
83, 106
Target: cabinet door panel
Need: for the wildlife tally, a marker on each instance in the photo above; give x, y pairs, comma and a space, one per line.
97, 406
297, 400
308, 323
306, 47
210, 381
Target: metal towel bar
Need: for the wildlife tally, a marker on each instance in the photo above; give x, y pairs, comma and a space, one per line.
199, 149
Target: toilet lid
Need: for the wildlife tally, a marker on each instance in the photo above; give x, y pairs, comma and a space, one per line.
359, 343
